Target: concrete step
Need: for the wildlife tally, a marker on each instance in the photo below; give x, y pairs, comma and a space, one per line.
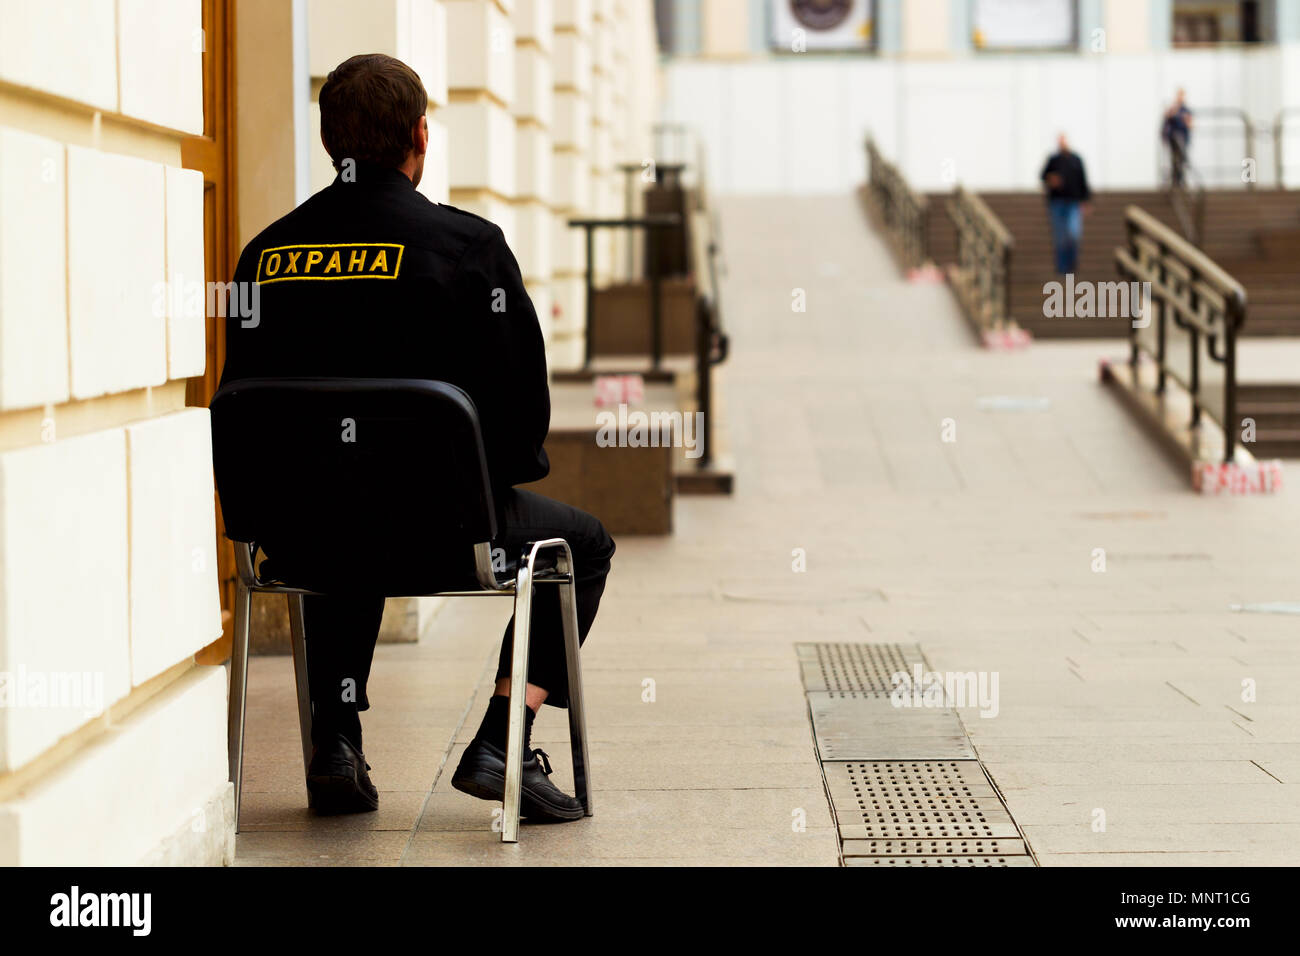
1271, 393
1269, 444
1237, 221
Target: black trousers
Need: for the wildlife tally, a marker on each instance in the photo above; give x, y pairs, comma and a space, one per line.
341, 631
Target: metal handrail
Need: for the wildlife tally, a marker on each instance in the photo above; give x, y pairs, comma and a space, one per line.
1248, 128
680, 145
1187, 198
589, 227
984, 248
1189, 288
1279, 140
711, 342
902, 211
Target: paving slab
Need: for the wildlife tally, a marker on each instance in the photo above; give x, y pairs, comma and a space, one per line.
1267, 839
318, 847
1158, 804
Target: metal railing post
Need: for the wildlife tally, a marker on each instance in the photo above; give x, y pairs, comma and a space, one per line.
984, 253
1163, 330
1249, 127
1006, 282
590, 296
1230, 423
1191, 290
1130, 232
1279, 139
656, 318
1194, 360
901, 211
651, 225
704, 387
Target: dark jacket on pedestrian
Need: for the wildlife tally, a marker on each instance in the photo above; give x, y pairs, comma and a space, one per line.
1071, 182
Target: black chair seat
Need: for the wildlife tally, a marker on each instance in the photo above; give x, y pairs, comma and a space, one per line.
408, 575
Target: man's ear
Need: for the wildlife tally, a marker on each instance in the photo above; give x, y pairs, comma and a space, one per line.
420, 139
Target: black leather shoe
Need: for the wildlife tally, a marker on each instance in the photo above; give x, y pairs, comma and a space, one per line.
337, 779
482, 773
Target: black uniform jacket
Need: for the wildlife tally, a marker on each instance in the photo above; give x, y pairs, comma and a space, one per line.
371, 279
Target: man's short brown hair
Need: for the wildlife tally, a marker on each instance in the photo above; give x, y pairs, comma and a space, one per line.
369, 106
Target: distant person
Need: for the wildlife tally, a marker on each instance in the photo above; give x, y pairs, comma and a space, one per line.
1068, 196
1177, 133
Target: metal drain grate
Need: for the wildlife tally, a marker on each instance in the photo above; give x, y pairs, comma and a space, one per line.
918, 776
925, 825
916, 800
905, 784
911, 848
939, 861
864, 668
884, 827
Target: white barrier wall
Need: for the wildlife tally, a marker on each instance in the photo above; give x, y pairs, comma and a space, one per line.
795, 124
108, 564
112, 740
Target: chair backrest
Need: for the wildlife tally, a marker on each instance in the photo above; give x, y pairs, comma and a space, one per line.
364, 484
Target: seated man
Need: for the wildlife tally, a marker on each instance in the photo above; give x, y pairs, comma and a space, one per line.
417, 290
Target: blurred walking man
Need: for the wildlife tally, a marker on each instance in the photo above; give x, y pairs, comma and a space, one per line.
1068, 198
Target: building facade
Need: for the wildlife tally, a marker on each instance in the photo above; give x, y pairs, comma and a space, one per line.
977, 90
142, 142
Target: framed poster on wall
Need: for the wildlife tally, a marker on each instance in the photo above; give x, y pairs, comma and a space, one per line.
828, 25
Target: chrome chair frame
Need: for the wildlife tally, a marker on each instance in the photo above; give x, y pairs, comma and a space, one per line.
520, 588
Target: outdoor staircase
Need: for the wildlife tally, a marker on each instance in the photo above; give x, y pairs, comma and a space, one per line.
1275, 408
1264, 223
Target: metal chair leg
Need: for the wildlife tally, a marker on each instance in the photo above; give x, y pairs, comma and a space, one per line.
577, 713
518, 701
238, 692
298, 641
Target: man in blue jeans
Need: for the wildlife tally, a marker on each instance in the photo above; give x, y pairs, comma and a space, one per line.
1068, 198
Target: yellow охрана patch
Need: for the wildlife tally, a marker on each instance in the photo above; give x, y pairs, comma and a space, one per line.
340, 260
